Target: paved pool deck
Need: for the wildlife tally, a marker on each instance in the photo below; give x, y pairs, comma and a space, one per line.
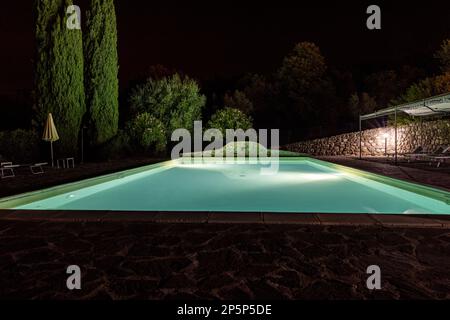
144, 260
221, 256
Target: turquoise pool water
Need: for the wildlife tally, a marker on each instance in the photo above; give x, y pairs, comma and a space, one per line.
299, 186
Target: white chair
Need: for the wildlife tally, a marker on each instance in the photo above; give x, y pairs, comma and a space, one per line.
70, 161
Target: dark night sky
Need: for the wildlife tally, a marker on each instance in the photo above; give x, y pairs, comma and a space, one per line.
218, 38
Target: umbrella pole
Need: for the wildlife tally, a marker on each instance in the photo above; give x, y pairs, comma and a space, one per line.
51, 151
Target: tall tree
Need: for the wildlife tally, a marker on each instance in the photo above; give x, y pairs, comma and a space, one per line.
308, 96
239, 100
303, 70
59, 86
443, 55
101, 72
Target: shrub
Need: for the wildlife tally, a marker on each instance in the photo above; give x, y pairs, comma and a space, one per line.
117, 147
229, 118
146, 132
175, 101
19, 145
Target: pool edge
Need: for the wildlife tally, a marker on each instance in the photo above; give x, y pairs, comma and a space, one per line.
29, 197
299, 219
11, 202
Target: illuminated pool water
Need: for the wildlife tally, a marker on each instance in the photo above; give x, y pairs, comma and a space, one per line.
301, 185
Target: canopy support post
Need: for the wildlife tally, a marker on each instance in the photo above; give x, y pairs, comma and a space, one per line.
396, 150
360, 138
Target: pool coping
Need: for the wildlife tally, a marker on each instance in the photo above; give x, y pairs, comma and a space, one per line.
25, 198
300, 218
264, 218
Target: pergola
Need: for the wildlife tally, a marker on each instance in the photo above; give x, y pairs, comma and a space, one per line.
437, 105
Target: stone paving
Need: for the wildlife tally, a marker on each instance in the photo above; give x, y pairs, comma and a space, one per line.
125, 260
147, 260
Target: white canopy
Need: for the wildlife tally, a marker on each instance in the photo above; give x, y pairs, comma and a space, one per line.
437, 105
427, 107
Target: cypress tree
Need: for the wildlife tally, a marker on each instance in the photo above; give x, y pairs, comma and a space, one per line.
101, 72
59, 84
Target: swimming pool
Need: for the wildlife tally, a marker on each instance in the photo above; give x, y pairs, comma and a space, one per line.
302, 185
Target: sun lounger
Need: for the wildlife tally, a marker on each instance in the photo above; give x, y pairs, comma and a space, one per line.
440, 160
417, 152
439, 157
7, 170
38, 168
425, 156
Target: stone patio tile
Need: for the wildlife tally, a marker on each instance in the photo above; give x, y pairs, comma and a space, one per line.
33, 215
235, 218
80, 215
182, 217
407, 221
346, 219
291, 218
5, 213
443, 219
130, 216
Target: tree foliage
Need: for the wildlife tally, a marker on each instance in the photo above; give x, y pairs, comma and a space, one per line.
24, 146
239, 100
146, 131
101, 71
426, 88
443, 56
229, 118
175, 101
307, 96
387, 85
59, 87
303, 70
361, 104
262, 93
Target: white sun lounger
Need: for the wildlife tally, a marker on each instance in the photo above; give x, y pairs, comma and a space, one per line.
439, 158
416, 154
38, 168
7, 170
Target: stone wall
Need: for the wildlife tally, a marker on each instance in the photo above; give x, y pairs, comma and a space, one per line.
429, 135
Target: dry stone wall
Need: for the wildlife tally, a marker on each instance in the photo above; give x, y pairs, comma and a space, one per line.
375, 142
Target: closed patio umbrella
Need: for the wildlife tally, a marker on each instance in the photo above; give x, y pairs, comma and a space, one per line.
50, 133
